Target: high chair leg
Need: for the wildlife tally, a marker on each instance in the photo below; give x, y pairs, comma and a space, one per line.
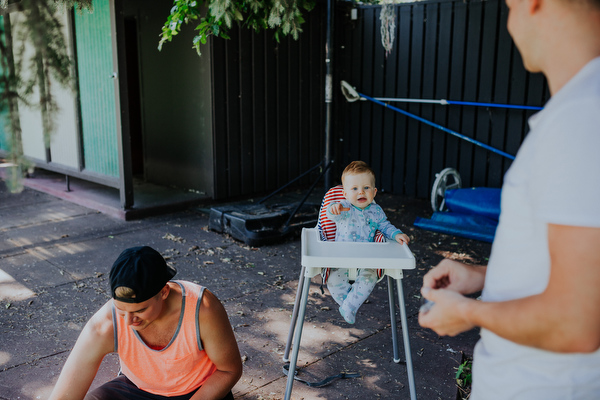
407, 354
286, 354
298, 336
393, 323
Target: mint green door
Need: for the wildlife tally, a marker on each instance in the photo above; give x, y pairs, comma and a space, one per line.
94, 43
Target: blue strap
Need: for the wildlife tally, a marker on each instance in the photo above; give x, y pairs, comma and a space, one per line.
437, 126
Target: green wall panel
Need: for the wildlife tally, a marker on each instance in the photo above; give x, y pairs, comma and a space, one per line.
3, 115
97, 90
3, 133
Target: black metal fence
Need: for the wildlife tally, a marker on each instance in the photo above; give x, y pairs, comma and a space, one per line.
268, 108
454, 50
269, 97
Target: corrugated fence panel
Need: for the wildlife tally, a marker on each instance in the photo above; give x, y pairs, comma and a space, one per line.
97, 93
454, 50
268, 108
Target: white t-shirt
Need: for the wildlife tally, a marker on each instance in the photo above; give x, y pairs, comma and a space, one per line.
555, 178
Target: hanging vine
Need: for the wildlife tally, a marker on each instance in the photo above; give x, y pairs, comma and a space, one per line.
387, 17
388, 25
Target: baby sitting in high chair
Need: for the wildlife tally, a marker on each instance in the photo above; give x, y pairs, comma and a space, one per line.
357, 219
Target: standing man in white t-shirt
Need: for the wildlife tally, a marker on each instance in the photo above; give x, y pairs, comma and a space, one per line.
540, 308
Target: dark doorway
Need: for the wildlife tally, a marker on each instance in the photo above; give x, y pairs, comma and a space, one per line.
134, 99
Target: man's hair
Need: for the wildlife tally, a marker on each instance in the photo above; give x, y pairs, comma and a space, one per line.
125, 292
358, 167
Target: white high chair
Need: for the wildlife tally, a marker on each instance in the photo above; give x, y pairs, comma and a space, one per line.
318, 253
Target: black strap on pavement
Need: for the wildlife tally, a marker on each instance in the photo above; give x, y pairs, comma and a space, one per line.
326, 381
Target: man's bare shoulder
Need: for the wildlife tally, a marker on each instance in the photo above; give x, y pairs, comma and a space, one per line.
210, 307
101, 324
209, 299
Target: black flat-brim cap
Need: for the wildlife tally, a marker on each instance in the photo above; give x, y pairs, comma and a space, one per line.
141, 269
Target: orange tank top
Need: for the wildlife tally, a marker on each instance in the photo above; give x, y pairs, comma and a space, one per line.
179, 368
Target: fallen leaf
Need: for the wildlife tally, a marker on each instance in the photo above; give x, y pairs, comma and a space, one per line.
173, 238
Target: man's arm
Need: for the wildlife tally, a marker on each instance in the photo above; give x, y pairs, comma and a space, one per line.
95, 341
221, 347
456, 276
444, 285
563, 318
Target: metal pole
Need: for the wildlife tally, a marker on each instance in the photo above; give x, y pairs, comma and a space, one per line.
328, 91
393, 323
437, 126
286, 354
407, 355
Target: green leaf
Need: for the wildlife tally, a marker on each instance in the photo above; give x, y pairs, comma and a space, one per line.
217, 16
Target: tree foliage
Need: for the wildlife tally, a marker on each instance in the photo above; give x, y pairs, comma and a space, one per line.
26, 77
216, 17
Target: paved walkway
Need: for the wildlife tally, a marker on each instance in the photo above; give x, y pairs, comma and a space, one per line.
54, 261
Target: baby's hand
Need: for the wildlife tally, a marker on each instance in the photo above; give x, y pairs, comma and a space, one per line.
402, 238
337, 208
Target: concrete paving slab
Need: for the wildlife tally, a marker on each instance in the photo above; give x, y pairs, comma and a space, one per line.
29, 271
5, 244
164, 236
35, 380
380, 376
39, 213
61, 228
262, 325
48, 323
26, 197
81, 259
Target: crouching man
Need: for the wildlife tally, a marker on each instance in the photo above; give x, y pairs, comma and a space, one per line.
173, 338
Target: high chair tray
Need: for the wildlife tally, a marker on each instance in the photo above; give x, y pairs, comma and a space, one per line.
319, 254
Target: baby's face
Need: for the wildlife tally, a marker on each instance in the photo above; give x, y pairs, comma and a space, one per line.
359, 189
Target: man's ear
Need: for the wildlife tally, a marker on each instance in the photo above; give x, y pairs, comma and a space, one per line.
164, 293
534, 6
